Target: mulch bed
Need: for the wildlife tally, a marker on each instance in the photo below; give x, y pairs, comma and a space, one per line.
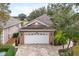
11, 41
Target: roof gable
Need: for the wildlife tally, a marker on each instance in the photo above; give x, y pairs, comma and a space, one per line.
36, 25
44, 20
35, 22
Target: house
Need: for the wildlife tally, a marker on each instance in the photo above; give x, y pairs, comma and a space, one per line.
38, 31
10, 27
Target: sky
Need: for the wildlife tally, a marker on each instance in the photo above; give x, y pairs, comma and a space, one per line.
26, 8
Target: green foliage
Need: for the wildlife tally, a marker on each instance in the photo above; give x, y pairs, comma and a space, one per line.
22, 16
8, 48
4, 47
76, 35
36, 13
64, 18
75, 50
60, 38
61, 15
4, 11
11, 51
75, 16
15, 35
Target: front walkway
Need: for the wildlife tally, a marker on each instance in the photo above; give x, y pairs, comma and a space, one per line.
38, 50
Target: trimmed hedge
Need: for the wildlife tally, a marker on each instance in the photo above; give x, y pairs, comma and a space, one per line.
11, 51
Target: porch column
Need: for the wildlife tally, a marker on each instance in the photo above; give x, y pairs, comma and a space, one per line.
21, 38
51, 38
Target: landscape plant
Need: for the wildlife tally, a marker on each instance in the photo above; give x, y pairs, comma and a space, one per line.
62, 18
8, 48
60, 38
15, 36
11, 51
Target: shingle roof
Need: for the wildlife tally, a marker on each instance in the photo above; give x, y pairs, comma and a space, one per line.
43, 18
10, 22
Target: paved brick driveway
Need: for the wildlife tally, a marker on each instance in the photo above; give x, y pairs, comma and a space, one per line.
38, 50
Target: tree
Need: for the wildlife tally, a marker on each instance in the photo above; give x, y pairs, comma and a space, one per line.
22, 17
62, 18
36, 13
4, 11
4, 14
75, 36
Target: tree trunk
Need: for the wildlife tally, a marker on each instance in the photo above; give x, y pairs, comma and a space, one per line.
69, 43
63, 46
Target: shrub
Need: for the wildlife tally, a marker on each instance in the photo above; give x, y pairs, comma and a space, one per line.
76, 38
75, 50
4, 47
60, 38
11, 51
15, 35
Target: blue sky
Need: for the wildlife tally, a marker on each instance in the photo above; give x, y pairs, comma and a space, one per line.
26, 8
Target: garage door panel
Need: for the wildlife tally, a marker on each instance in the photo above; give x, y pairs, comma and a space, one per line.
40, 38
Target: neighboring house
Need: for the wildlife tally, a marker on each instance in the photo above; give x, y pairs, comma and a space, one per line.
38, 31
11, 26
